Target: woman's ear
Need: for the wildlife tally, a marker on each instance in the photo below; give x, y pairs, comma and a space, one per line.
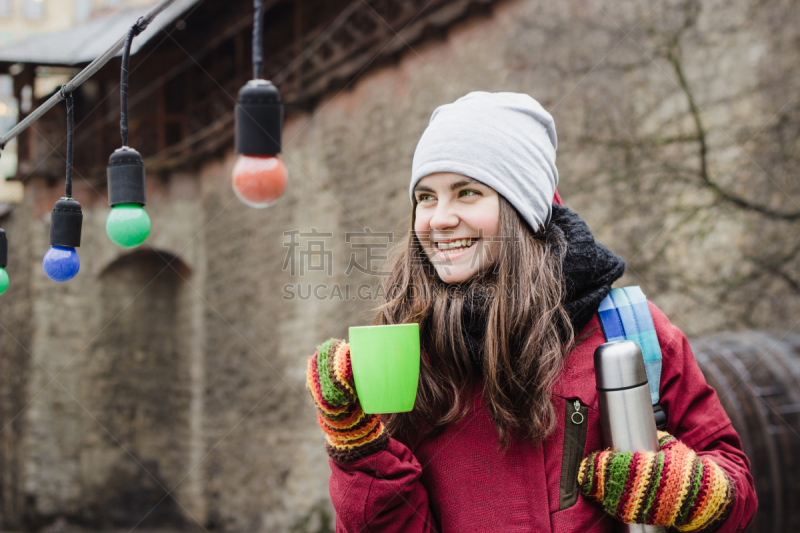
557, 199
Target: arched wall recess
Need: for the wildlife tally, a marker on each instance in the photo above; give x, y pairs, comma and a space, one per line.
168, 259
138, 386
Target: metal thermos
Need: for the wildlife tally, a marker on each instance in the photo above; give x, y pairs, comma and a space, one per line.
626, 413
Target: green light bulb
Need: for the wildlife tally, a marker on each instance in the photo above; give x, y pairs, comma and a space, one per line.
3, 280
128, 225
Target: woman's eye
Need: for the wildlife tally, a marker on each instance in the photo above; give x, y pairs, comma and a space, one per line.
468, 192
423, 197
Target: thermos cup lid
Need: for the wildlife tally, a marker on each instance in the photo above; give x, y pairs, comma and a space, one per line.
619, 365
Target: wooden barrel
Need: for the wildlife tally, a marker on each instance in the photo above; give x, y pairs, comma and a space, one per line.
757, 378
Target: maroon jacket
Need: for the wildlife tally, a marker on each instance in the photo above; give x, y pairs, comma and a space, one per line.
459, 481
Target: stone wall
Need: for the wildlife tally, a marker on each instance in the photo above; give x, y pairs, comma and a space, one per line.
677, 128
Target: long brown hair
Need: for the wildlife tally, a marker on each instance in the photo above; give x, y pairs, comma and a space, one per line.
528, 333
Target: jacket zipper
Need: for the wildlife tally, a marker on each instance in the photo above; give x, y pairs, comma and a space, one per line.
575, 429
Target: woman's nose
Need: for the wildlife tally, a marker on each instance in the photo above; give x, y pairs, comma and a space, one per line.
444, 217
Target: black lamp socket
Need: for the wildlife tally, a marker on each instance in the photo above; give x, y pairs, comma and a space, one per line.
126, 178
259, 119
65, 223
3, 248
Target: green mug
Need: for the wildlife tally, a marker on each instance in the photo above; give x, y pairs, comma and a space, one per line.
385, 361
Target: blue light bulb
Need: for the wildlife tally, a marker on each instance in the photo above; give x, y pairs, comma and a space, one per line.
61, 263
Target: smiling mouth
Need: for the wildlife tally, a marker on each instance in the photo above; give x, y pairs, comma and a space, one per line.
455, 246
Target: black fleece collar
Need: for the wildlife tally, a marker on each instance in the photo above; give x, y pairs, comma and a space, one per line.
589, 267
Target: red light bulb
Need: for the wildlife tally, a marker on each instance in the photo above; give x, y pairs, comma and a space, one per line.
259, 180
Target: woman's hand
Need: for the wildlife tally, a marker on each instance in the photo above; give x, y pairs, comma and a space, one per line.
351, 433
673, 487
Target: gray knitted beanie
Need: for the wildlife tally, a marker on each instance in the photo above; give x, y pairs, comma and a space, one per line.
504, 140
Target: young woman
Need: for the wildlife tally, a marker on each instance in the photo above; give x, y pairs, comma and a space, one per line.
505, 284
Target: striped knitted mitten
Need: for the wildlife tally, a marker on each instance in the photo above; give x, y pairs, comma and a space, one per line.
350, 433
672, 488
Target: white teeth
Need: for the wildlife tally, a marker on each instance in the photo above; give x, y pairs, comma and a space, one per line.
460, 243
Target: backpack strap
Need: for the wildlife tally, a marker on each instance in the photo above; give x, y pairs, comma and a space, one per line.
624, 315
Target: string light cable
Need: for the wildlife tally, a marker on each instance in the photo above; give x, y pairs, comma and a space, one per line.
258, 38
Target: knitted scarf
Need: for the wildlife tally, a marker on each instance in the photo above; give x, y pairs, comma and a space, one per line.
589, 270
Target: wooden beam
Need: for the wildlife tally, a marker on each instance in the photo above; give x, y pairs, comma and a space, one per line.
298, 41
25, 78
240, 53
161, 118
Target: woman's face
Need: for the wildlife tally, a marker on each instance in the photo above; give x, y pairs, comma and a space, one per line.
457, 221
